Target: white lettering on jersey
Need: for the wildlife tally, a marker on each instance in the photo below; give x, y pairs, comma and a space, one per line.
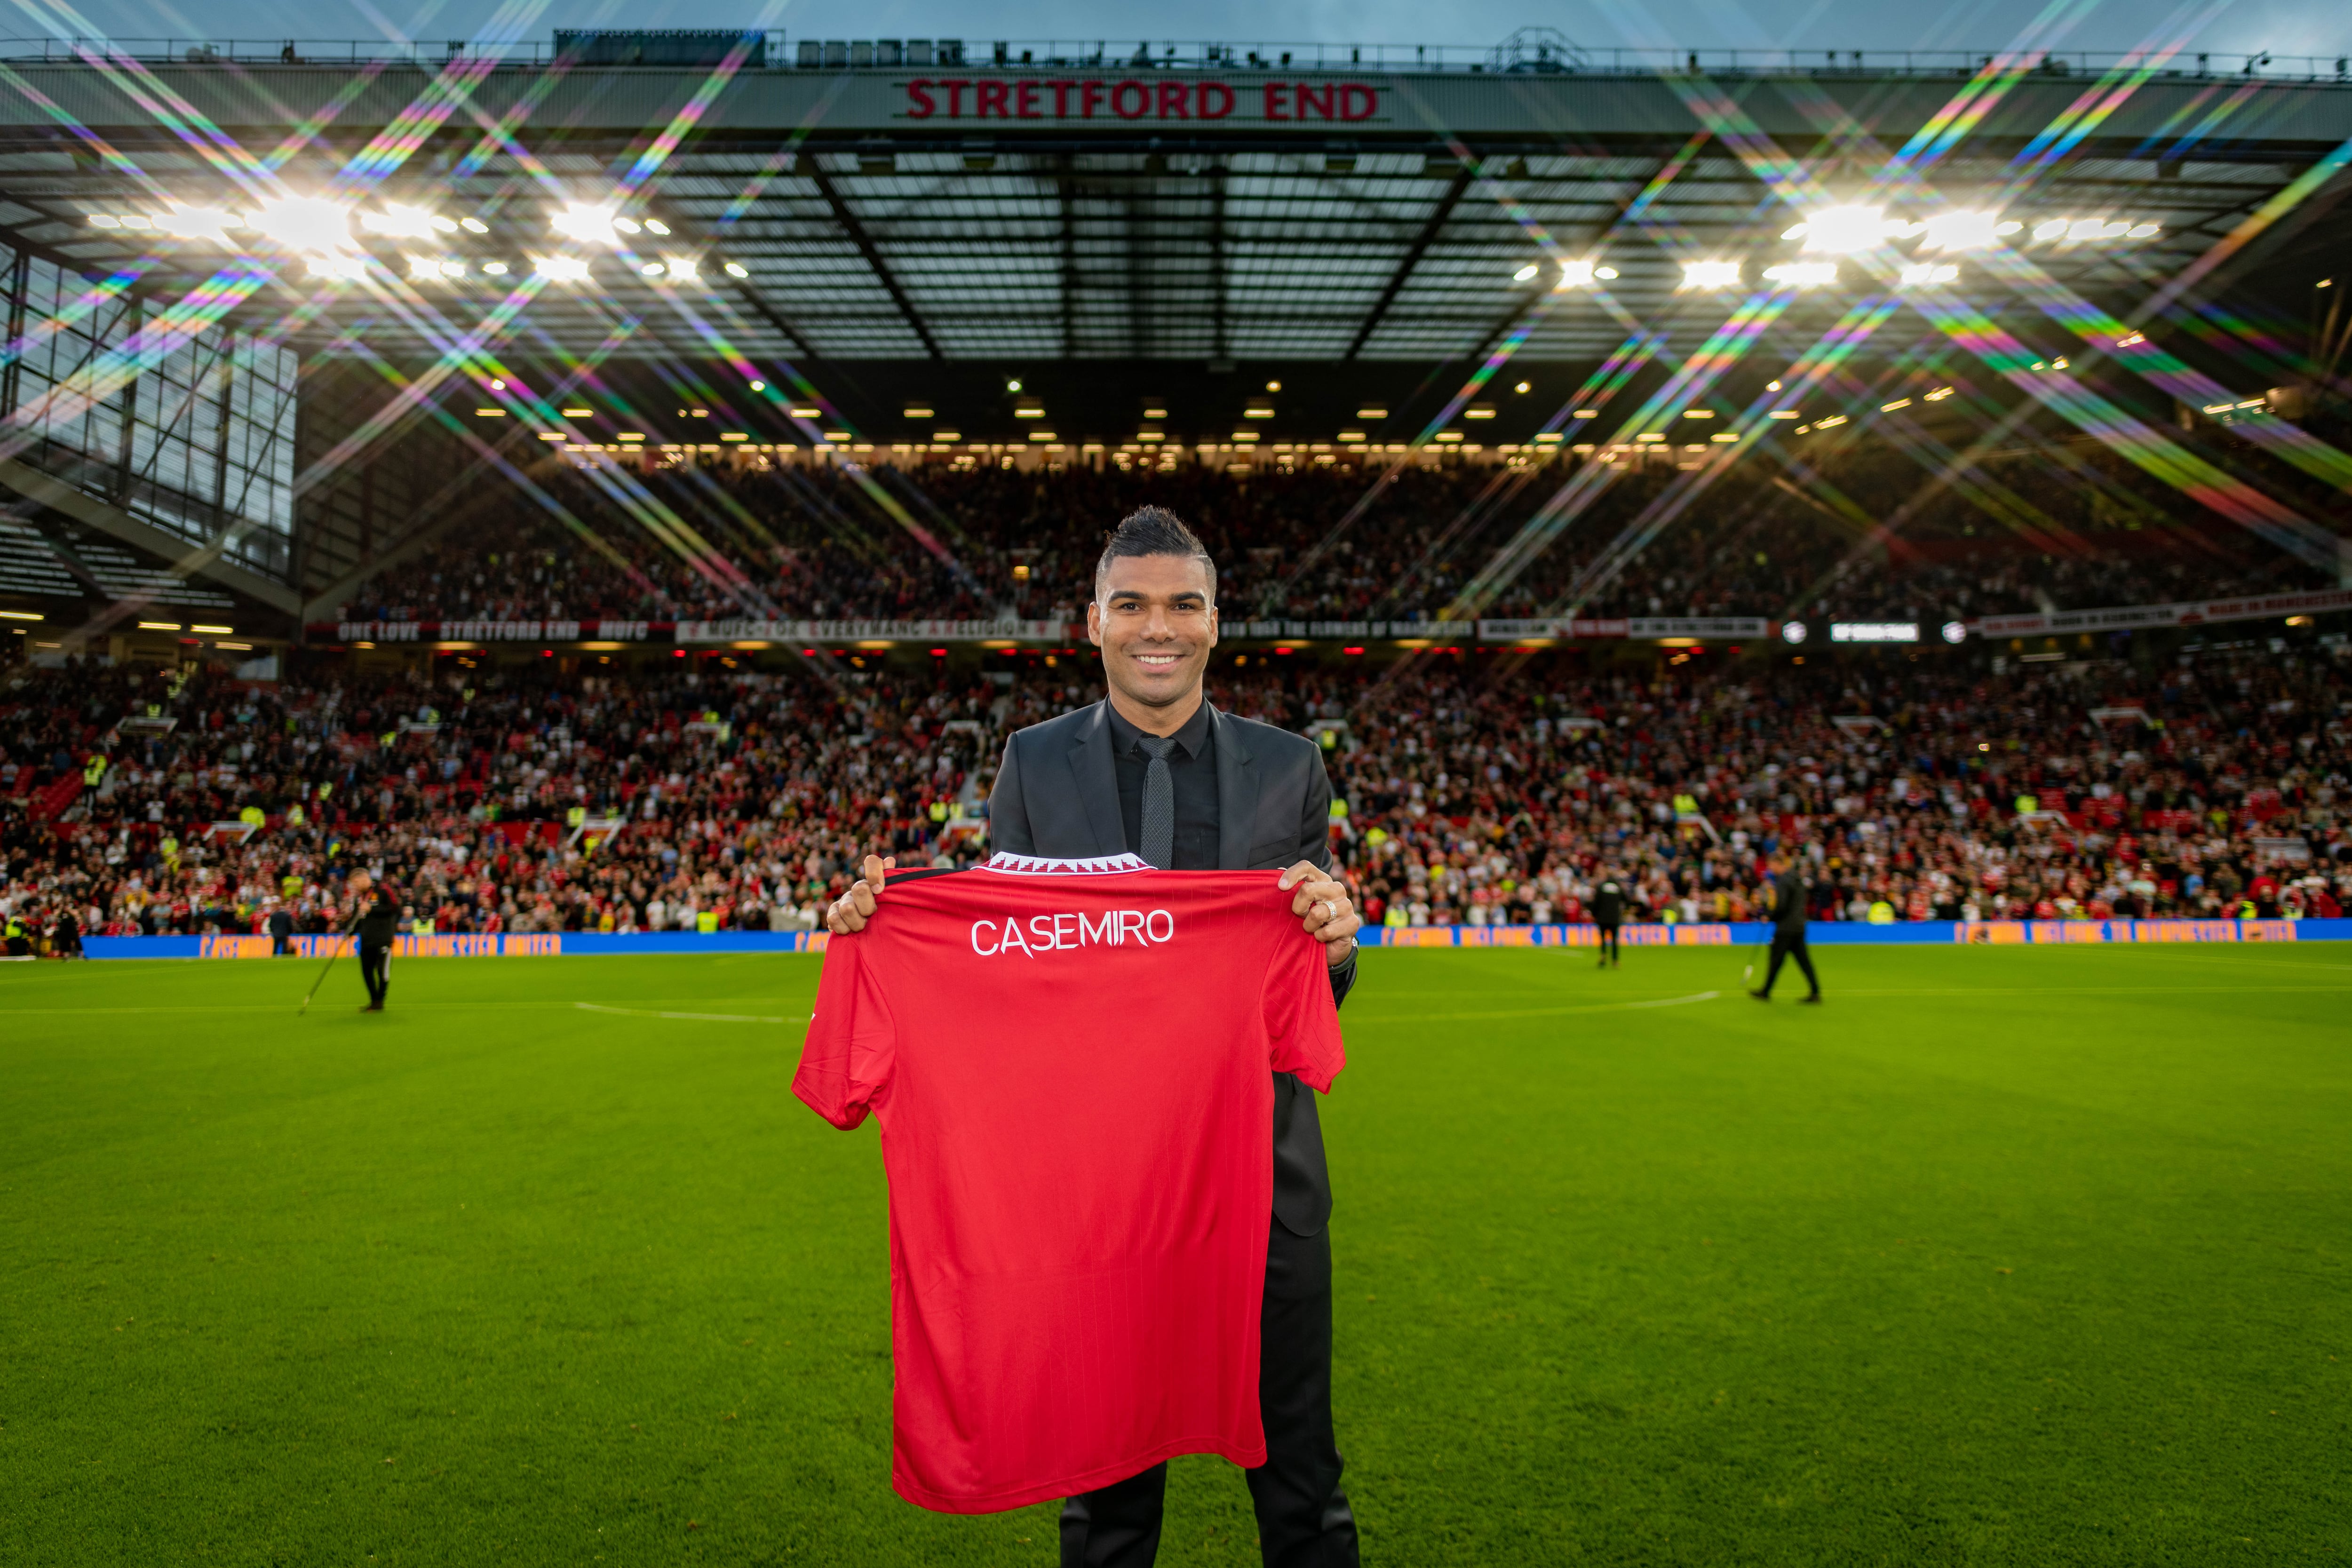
1068, 932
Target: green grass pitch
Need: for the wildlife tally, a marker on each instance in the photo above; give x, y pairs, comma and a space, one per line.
2014, 1256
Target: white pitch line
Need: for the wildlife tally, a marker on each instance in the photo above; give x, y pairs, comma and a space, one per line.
697, 1017
1676, 1001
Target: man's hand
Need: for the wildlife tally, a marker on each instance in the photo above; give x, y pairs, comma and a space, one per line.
1326, 910
850, 912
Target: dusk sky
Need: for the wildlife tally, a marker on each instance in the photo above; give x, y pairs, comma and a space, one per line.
2284, 27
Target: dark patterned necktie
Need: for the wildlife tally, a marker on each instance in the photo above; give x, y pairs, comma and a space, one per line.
1159, 847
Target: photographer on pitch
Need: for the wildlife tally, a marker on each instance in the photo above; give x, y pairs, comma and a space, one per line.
1155, 771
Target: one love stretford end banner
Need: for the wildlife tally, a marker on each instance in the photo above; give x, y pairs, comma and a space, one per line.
2123, 618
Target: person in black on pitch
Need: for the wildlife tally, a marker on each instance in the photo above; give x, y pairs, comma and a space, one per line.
1156, 771
377, 921
1608, 915
1790, 896
282, 930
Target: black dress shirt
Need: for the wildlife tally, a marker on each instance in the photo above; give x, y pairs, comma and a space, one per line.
1192, 773
1191, 770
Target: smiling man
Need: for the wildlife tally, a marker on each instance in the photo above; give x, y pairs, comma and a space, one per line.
1155, 771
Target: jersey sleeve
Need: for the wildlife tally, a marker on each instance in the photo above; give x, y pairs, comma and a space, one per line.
1302, 1022
846, 1059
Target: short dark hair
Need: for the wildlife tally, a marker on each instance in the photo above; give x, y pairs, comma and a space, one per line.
1152, 530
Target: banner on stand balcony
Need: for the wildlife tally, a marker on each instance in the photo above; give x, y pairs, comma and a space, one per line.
2189, 613
870, 631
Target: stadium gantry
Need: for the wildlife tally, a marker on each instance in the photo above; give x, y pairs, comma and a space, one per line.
280, 315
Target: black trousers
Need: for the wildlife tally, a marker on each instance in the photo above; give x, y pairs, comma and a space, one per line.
279, 946
375, 970
1303, 1518
1785, 946
1608, 949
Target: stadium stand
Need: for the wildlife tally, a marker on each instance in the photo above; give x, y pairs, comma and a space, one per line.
810, 543
138, 802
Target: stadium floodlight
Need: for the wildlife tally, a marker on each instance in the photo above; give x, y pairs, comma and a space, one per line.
628, 225
312, 224
1841, 231
1804, 274
651, 269
581, 222
1578, 274
473, 225
1921, 274
735, 269
495, 268
560, 269
2087, 228
199, 223
1961, 230
1793, 632
1710, 275
683, 269
2053, 228
342, 268
401, 222
656, 225
2138, 230
1956, 632
1524, 273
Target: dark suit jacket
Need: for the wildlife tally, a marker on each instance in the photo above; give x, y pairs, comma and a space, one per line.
1788, 904
1056, 795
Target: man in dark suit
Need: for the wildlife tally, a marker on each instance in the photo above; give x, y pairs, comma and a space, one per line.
1789, 897
1609, 913
378, 918
1155, 771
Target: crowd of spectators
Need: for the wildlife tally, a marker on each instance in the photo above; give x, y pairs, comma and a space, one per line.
1866, 539
1473, 789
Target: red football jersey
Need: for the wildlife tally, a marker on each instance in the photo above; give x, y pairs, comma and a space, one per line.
1072, 1064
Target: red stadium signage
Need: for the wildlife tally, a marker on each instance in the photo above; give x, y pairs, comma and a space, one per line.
1132, 98
2193, 613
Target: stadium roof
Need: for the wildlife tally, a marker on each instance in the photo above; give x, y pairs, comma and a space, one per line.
1185, 205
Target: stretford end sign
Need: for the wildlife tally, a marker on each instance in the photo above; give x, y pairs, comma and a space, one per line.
1065, 99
